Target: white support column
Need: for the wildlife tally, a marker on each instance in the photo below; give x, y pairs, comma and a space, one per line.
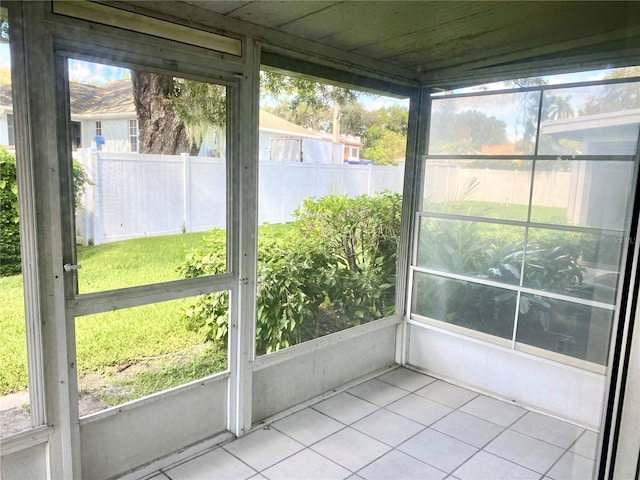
40, 144
244, 146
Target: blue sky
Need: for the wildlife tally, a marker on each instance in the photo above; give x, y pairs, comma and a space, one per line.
95, 73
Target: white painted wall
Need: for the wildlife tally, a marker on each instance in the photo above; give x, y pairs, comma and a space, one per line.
551, 387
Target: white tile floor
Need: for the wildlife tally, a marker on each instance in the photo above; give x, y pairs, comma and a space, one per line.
401, 425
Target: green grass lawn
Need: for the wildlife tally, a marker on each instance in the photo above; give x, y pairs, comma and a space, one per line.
13, 347
503, 211
128, 263
134, 335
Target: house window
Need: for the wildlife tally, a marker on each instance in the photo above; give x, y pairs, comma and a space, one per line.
98, 128
11, 137
133, 135
517, 243
76, 135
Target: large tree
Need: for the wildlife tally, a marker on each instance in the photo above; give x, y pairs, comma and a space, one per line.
385, 140
175, 114
464, 132
314, 95
614, 97
160, 128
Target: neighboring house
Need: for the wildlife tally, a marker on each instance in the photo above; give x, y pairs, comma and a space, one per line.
273, 127
281, 140
104, 117
600, 134
101, 116
350, 146
7, 137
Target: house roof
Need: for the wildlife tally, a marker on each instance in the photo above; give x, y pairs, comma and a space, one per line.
108, 98
5, 95
590, 122
272, 123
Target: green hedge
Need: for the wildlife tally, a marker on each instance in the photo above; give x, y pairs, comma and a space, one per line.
333, 269
9, 217
9, 224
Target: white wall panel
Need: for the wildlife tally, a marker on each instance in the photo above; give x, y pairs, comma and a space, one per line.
318, 369
134, 436
561, 390
28, 464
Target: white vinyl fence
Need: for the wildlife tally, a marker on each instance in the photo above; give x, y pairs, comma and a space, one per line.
135, 195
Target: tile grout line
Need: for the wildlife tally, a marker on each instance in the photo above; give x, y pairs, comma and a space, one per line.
407, 393
568, 450
266, 427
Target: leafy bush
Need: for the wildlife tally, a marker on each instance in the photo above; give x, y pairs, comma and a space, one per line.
9, 223
80, 182
333, 269
9, 218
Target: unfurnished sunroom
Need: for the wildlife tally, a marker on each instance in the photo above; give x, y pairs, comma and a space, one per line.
183, 299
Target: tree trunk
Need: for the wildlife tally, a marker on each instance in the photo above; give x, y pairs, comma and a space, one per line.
160, 129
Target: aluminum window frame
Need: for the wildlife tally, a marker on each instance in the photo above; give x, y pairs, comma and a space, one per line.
420, 214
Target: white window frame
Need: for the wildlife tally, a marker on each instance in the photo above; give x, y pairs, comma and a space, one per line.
134, 144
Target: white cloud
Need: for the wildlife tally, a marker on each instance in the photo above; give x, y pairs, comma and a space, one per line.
94, 73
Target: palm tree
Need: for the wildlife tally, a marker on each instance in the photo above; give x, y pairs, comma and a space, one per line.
560, 108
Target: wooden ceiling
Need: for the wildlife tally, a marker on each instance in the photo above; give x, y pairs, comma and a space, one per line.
456, 40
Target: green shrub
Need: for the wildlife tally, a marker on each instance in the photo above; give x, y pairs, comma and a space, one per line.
333, 269
80, 182
9, 224
9, 218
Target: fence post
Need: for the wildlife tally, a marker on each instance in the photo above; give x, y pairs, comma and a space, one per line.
96, 191
85, 215
186, 183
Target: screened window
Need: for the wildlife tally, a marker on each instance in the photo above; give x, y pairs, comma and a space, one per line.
146, 198
150, 207
524, 214
329, 227
20, 408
